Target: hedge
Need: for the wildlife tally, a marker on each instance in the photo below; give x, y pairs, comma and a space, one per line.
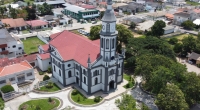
7, 88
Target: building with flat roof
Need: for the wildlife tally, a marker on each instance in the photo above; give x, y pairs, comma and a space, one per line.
53, 3
80, 13
10, 46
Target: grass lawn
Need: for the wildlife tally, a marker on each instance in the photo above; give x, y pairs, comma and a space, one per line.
54, 88
82, 99
192, 3
180, 37
130, 83
31, 44
25, 31
44, 104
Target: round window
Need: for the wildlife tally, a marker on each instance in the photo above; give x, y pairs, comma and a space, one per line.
69, 65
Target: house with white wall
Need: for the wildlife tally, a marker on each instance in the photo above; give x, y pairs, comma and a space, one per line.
180, 17
10, 46
16, 73
37, 24
91, 65
11, 23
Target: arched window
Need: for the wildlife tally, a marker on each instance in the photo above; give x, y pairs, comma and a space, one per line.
54, 68
96, 81
107, 44
101, 42
113, 44
69, 74
84, 80
107, 27
59, 72
111, 72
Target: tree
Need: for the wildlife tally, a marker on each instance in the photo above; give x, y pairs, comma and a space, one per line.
122, 38
21, 13
127, 102
178, 48
188, 24
101, 14
13, 13
133, 25
171, 98
189, 44
159, 79
31, 12
95, 32
157, 29
2, 11
191, 88
45, 9
173, 40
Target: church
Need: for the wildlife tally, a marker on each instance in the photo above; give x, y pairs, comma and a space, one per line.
92, 65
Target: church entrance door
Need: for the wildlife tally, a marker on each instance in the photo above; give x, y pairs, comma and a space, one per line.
111, 85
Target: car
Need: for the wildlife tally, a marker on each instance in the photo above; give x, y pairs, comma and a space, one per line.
190, 62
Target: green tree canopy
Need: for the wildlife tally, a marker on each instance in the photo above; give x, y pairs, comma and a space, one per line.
171, 98
188, 24
133, 25
157, 29
95, 32
127, 102
45, 9
178, 48
31, 12
189, 44
191, 88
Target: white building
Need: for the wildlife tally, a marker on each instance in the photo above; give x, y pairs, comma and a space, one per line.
92, 65
16, 73
10, 46
179, 18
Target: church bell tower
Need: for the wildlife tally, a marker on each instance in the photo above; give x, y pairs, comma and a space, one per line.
108, 35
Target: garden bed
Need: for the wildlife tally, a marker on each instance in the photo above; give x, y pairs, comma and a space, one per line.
130, 80
40, 104
79, 98
49, 89
31, 44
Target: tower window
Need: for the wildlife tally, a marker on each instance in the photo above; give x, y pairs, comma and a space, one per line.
69, 74
59, 73
84, 80
107, 44
96, 81
54, 68
107, 27
101, 42
113, 40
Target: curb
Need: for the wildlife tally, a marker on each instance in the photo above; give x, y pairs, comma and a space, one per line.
56, 108
140, 85
43, 92
81, 105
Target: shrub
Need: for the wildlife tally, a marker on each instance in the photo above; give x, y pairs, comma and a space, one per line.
49, 69
78, 99
128, 85
173, 41
37, 108
74, 92
41, 73
7, 88
139, 32
50, 99
97, 99
49, 85
46, 77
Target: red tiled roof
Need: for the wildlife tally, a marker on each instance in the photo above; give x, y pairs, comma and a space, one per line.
196, 10
35, 23
54, 35
170, 16
44, 56
5, 61
14, 68
45, 47
14, 22
88, 6
103, 3
73, 46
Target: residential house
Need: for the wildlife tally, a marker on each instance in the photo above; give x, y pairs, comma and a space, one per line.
177, 2
134, 19
180, 17
194, 57
153, 6
132, 7
10, 46
80, 13
16, 73
37, 24
92, 65
53, 3
62, 19
11, 23
168, 29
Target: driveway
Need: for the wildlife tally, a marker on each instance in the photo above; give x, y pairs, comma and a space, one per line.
15, 103
192, 68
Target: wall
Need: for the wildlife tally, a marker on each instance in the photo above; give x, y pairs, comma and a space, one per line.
84, 87
16, 50
43, 64
96, 88
15, 75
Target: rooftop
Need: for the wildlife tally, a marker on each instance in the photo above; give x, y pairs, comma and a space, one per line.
182, 14
52, 2
14, 22
88, 6
194, 56
14, 68
72, 46
44, 56
74, 8
5, 37
35, 23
